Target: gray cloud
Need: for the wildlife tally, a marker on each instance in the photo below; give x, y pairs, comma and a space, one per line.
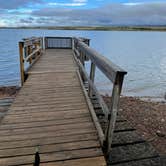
26, 21
117, 13
2, 11
112, 14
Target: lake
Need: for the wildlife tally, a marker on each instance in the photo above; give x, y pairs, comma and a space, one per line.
141, 54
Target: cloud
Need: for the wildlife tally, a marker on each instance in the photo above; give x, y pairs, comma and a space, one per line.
2, 23
79, 1
67, 4
65, 14
113, 14
13, 4
26, 21
74, 3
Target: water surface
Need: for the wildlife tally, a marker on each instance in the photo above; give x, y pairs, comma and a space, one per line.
142, 54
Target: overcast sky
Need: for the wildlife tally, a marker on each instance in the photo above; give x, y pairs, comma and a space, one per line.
82, 12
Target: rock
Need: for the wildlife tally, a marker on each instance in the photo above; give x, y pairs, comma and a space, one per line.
162, 120
160, 134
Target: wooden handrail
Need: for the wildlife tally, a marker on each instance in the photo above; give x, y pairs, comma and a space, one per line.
32, 54
58, 42
30, 49
113, 72
31, 41
92, 88
105, 65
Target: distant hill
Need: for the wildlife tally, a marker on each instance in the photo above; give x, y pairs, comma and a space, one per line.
106, 28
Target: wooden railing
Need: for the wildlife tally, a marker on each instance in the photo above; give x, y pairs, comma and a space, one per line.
30, 50
58, 42
114, 73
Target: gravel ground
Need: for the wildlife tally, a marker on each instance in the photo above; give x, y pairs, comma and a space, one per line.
7, 95
149, 118
8, 91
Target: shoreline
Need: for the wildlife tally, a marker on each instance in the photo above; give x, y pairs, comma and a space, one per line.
96, 28
150, 99
11, 91
8, 91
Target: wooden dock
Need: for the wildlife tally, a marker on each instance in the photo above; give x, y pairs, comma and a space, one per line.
50, 113
54, 120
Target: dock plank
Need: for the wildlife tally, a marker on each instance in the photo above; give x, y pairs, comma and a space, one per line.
52, 157
97, 161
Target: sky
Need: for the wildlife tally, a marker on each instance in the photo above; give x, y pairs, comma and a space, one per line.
15, 13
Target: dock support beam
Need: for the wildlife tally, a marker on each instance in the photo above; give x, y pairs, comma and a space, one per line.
92, 77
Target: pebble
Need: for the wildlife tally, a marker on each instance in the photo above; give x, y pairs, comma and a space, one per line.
162, 120
160, 134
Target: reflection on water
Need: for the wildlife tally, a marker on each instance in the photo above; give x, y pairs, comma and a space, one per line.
142, 54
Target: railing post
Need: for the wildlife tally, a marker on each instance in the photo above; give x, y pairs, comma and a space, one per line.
83, 63
36, 45
21, 45
114, 109
46, 42
92, 77
72, 41
82, 58
29, 52
41, 45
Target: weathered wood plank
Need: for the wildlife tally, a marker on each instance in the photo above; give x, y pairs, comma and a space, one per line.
95, 161
41, 118
69, 106
70, 146
28, 111
48, 157
55, 102
45, 123
47, 140
50, 133
54, 128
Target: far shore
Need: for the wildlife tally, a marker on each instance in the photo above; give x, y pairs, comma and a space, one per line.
96, 28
